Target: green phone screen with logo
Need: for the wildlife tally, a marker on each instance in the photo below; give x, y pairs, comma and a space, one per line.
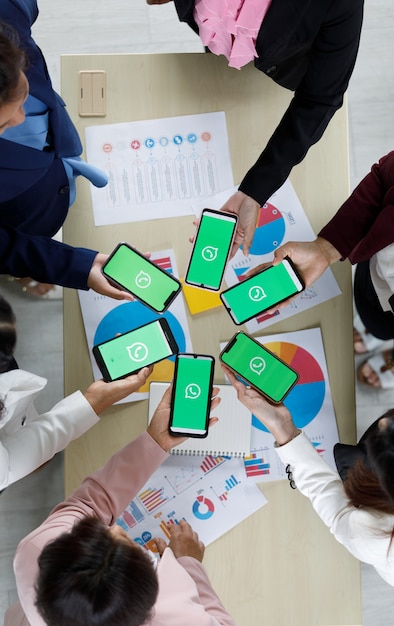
262, 291
132, 351
259, 367
191, 397
211, 249
149, 283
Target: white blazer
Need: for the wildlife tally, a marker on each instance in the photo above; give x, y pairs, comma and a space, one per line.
364, 532
27, 440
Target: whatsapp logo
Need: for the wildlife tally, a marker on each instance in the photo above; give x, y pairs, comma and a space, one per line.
192, 391
256, 293
138, 351
257, 365
209, 253
143, 280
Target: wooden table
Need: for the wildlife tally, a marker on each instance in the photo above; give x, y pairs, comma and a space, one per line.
281, 566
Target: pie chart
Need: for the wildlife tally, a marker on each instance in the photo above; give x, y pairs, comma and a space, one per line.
203, 508
270, 230
306, 398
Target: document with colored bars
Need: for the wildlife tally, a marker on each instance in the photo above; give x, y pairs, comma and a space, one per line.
205, 483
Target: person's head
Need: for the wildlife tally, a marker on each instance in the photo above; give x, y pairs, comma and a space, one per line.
14, 86
95, 576
371, 484
7, 335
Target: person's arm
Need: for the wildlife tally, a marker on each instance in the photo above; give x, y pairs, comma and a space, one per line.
49, 261
316, 99
41, 438
361, 213
184, 583
364, 533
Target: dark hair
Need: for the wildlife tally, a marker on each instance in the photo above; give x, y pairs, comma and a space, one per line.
373, 487
7, 335
88, 577
13, 60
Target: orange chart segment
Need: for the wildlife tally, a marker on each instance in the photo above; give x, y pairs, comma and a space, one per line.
299, 359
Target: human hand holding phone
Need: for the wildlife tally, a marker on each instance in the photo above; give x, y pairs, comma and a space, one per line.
311, 258
275, 417
158, 427
262, 291
102, 395
247, 210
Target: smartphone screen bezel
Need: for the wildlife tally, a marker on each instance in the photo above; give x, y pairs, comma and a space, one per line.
167, 334
116, 283
178, 432
288, 265
220, 216
230, 345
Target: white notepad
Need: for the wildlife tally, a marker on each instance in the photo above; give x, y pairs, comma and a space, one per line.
230, 436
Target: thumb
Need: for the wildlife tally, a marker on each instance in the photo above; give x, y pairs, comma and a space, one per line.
160, 544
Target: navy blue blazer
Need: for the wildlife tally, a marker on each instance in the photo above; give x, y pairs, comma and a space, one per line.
310, 47
34, 188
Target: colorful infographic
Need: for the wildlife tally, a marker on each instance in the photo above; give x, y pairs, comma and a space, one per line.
158, 168
211, 493
309, 403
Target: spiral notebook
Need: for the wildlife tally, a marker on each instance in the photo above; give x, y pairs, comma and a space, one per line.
230, 436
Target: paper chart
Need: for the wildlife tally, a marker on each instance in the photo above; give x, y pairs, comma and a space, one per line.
158, 168
309, 402
210, 493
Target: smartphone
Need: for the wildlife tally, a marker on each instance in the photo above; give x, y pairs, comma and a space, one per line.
262, 291
130, 270
259, 367
128, 353
191, 395
211, 249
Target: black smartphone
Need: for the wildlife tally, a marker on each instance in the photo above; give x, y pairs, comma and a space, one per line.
211, 249
130, 270
259, 367
128, 353
191, 395
262, 291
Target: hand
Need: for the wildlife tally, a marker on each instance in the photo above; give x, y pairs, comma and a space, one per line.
158, 428
311, 258
247, 210
276, 418
184, 541
101, 395
98, 282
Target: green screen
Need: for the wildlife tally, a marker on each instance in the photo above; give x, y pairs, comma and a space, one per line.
192, 394
210, 250
259, 367
259, 293
145, 280
135, 350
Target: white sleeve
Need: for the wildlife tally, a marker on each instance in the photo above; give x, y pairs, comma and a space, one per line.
41, 438
364, 532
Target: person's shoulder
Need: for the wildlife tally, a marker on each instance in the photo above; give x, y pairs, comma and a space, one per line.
15, 11
21, 380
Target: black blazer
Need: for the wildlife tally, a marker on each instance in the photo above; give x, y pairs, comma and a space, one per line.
310, 47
